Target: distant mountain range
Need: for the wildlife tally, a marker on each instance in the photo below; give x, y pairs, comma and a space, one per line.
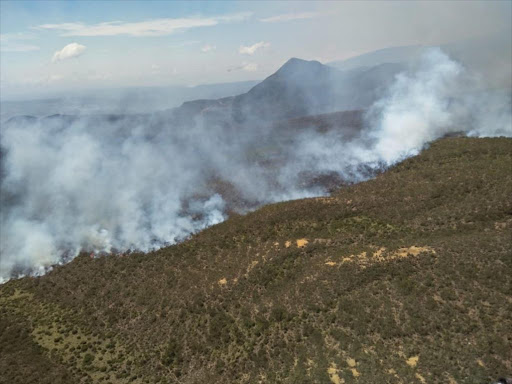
301, 88
478, 55
121, 101
402, 54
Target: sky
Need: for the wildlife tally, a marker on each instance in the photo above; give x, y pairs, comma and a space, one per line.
64, 46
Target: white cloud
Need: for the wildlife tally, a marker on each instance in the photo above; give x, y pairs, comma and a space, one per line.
68, 52
18, 47
162, 70
208, 48
156, 27
42, 80
184, 44
251, 49
155, 69
289, 17
100, 76
54, 78
249, 67
11, 43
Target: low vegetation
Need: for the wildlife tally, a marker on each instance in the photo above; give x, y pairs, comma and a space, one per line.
401, 279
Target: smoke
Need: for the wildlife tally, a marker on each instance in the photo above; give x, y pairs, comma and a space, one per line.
78, 187
436, 100
416, 110
431, 100
141, 182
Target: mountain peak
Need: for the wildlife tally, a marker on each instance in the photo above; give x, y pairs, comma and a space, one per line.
298, 65
298, 88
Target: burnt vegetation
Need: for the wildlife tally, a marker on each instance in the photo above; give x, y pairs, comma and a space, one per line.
403, 278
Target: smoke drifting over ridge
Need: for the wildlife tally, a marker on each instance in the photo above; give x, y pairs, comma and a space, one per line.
437, 99
104, 183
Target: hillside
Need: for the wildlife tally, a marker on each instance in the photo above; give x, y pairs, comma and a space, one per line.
401, 279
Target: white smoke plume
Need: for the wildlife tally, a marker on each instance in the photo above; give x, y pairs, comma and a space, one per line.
436, 100
104, 184
437, 97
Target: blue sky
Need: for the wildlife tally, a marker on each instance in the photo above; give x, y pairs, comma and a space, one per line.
51, 46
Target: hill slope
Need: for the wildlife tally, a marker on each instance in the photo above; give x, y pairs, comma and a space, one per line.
404, 278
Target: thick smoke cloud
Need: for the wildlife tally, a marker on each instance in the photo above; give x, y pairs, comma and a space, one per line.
105, 183
435, 98
441, 97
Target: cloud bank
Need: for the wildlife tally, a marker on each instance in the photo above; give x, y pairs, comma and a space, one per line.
16, 42
155, 27
208, 48
289, 17
68, 52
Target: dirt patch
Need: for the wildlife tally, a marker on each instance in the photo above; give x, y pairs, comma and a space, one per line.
391, 371
412, 361
352, 363
310, 363
287, 244
381, 254
301, 243
501, 225
325, 200
332, 371
378, 253
415, 251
